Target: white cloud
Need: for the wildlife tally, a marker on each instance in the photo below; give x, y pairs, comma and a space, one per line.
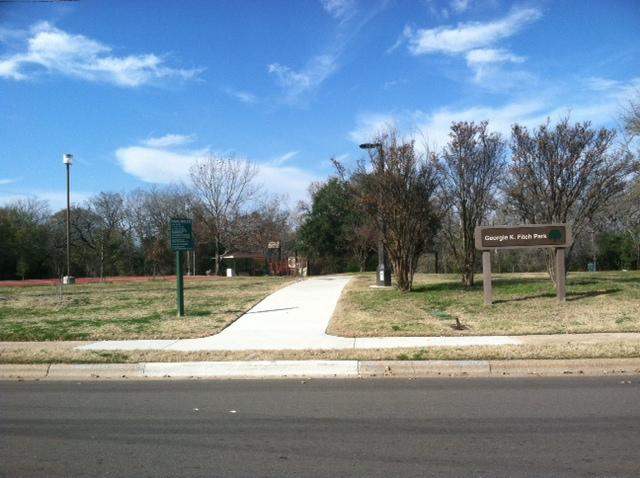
169, 140
51, 50
4, 182
242, 96
468, 36
340, 9
295, 83
369, 125
284, 158
431, 128
485, 63
159, 165
156, 165
56, 199
459, 6
291, 181
491, 55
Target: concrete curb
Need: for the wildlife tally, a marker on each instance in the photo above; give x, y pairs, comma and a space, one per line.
19, 371
62, 371
321, 369
254, 369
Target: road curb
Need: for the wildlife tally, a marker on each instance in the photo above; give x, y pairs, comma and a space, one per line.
254, 369
61, 371
26, 371
272, 369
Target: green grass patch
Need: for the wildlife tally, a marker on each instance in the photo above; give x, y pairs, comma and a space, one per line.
128, 311
523, 304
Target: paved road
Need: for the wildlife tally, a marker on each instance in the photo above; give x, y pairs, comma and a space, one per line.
386, 427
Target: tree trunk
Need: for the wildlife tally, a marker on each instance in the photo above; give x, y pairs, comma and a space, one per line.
102, 259
216, 266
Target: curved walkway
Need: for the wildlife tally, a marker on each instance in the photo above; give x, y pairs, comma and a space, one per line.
293, 318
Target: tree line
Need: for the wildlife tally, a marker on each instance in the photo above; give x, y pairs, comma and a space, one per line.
128, 234
423, 205
431, 201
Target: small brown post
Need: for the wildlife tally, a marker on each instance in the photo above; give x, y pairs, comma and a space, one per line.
560, 274
486, 277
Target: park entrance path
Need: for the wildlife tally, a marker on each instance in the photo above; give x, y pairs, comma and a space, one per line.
293, 318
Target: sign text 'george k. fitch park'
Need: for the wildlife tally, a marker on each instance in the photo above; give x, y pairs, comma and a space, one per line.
556, 236
525, 236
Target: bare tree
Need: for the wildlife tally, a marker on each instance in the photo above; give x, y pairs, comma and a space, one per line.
471, 169
224, 186
631, 116
148, 216
624, 215
398, 195
564, 174
267, 222
110, 212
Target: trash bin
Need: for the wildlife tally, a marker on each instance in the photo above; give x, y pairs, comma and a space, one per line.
231, 272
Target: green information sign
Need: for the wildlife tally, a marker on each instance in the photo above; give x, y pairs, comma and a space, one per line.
181, 234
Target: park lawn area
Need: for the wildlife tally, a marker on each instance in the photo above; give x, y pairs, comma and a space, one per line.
142, 310
523, 304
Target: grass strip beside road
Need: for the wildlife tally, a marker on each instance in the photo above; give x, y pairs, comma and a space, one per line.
516, 352
523, 304
119, 311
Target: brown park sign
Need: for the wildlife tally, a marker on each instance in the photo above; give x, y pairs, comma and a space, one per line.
557, 236
515, 237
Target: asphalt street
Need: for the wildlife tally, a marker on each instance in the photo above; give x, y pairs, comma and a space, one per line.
573, 426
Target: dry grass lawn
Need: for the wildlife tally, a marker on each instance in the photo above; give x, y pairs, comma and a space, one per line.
143, 310
523, 304
557, 351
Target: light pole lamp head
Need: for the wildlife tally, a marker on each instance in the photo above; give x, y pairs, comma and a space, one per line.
370, 145
67, 159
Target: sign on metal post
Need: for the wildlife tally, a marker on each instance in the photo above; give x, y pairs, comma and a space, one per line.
181, 239
181, 234
555, 236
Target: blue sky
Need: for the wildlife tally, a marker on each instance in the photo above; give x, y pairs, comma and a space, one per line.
137, 90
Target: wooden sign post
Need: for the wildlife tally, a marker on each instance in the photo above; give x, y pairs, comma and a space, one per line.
554, 236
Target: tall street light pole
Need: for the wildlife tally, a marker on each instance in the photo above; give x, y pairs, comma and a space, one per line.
67, 159
383, 272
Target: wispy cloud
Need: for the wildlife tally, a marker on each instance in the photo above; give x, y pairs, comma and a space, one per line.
286, 157
483, 56
459, 6
163, 166
50, 50
242, 96
4, 182
339, 9
369, 125
476, 42
295, 83
468, 36
431, 128
55, 199
486, 62
169, 140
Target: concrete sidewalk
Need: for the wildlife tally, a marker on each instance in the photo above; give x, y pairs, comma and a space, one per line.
294, 318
